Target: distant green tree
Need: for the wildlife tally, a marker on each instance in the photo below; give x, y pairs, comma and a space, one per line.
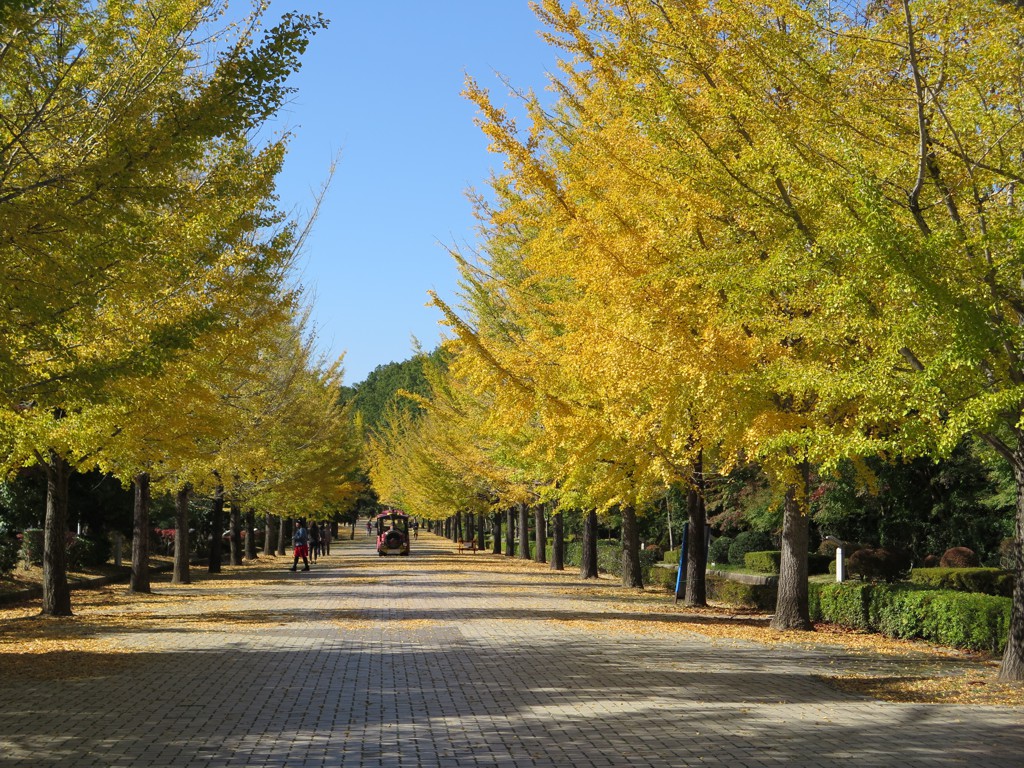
372, 397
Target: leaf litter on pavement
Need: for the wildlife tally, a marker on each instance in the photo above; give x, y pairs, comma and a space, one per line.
92, 642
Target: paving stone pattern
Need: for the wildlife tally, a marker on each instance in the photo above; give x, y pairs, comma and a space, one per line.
370, 662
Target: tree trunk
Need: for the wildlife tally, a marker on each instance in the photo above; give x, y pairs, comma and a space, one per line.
56, 592
510, 533
632, 575
696, 553
459, 534
540, 535
282, 535
1012, 667
140, 535
216, 531
236, 534
557, 542
250, 534
269, 546
588, 562
497, 533
791, 609
524, 532
481, 529
181, 538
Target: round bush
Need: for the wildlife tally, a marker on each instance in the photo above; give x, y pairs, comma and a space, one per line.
718, 552
748, 541
10, 551
879, 564
89, 552
931, 561
32, 546
959, 557
653, 553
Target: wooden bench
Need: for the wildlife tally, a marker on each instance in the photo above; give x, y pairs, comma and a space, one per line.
467, 545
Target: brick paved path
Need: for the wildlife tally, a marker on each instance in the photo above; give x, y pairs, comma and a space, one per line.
446, 660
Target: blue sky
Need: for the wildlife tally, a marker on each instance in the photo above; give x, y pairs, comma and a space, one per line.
381, 90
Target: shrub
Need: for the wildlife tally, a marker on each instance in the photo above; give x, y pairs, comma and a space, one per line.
748, 541
829, 548
767, 561
10, 550
1006, 554
989, 581
931, 561
718, 552
652, 552
845, 604
724, 590
879, 564
32, 546
661, 577
960, 619
959, 557
671, 557
819, 563
88, 552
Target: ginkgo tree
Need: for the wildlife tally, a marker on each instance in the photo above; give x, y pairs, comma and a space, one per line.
110, 116
837, 187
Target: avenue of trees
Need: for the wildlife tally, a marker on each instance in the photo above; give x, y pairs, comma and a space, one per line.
780, 233
150, 328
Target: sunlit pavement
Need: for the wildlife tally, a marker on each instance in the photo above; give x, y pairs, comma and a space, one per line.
442, 659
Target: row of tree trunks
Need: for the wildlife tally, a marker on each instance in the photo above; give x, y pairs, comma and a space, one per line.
524, 531
1012, 667
791, 607
557, 542
696, 549
235, 537
140, 535
215, 551
510, 540
269, 540
540, 535
588, 561
182, 545
632, 574
56, 592
250, 534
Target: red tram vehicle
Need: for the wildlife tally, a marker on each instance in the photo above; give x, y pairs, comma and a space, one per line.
392, 533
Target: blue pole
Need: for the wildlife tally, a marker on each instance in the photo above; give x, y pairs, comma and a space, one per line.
682, 558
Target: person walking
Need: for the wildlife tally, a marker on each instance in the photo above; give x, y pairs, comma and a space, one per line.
325, 539
300, 541
314, 542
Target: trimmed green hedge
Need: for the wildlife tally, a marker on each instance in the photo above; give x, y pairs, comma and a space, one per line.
990, 581
661, 577
959, 619
748, 541
723, 590
766, 561
770, 561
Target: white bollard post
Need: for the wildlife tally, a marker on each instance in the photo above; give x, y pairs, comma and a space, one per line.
839, 565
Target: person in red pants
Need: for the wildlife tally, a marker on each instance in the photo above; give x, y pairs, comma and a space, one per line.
300, 541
